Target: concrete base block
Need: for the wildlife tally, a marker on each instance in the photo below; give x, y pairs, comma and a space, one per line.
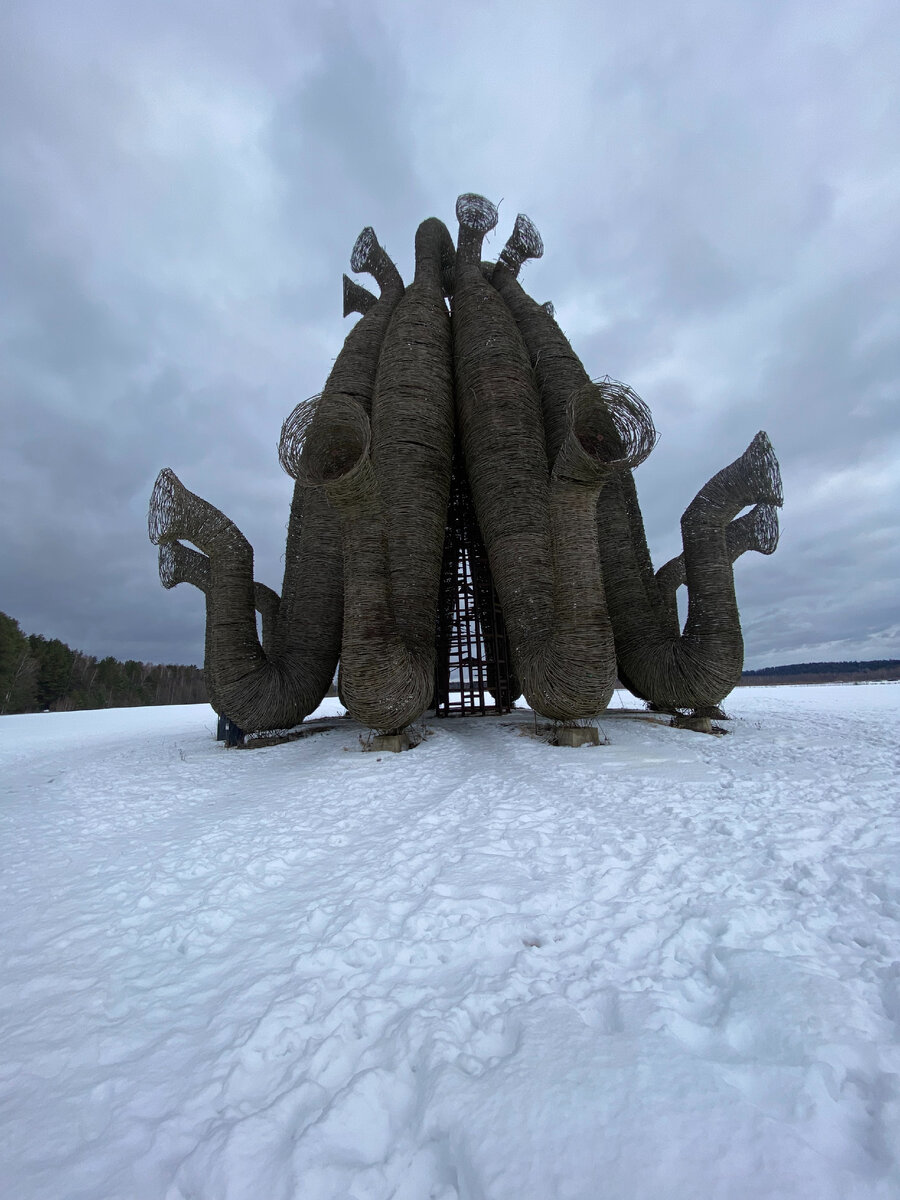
697, 724
391, 743
578, 735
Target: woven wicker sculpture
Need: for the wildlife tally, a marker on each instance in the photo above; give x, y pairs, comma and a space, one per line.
546, 455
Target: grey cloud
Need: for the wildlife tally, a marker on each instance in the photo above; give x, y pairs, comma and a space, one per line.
181, 187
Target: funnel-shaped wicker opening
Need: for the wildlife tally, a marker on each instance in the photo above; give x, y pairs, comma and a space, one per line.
369, 255
163, 505
756, 530
524, 243
476, 212
766, 528
169, 575
180, 564
760, 458
364, 250
293, 434
357, 299
331, 442
612, 423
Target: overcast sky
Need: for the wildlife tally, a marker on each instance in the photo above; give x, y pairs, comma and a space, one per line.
181, 182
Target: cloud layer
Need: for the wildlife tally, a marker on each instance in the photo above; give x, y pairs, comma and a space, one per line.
717, 189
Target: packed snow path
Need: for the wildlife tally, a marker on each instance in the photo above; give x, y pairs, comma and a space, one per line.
488, 969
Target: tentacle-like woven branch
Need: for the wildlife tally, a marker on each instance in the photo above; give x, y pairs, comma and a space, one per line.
698, 667
756, 530
312, 595
412, 438
243, 682
180, 564
382, 682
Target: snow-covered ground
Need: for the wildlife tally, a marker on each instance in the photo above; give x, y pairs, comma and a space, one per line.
488, 969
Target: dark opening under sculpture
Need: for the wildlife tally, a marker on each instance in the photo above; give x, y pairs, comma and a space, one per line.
463, 489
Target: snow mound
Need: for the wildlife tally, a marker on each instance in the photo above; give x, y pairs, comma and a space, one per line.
488, 969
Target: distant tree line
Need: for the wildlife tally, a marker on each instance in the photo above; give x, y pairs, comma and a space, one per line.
38, 673
825, 672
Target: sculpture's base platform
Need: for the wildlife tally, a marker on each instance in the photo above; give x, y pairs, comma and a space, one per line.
697, 724
392, 743
577, 735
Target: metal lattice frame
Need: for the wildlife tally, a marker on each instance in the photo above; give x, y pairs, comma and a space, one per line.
473, 669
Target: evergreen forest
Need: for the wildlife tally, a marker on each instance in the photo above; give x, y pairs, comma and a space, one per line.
39, 674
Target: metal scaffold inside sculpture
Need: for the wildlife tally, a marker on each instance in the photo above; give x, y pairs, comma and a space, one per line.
464, 527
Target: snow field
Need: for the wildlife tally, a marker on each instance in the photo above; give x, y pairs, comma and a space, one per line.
488, 969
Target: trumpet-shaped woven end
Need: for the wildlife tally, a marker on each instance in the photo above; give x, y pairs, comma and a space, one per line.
164, 506
524, 243
180, 564
293, 437
762, 530
760, 460
612, 423
323, 442
476, 212
370, 256
357, 299
365, 248
609, 429
168, 569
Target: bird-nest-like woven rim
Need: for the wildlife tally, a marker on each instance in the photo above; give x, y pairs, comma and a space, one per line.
476, 212
323, 441
612, 422
365, 246
765, 469
163, 506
